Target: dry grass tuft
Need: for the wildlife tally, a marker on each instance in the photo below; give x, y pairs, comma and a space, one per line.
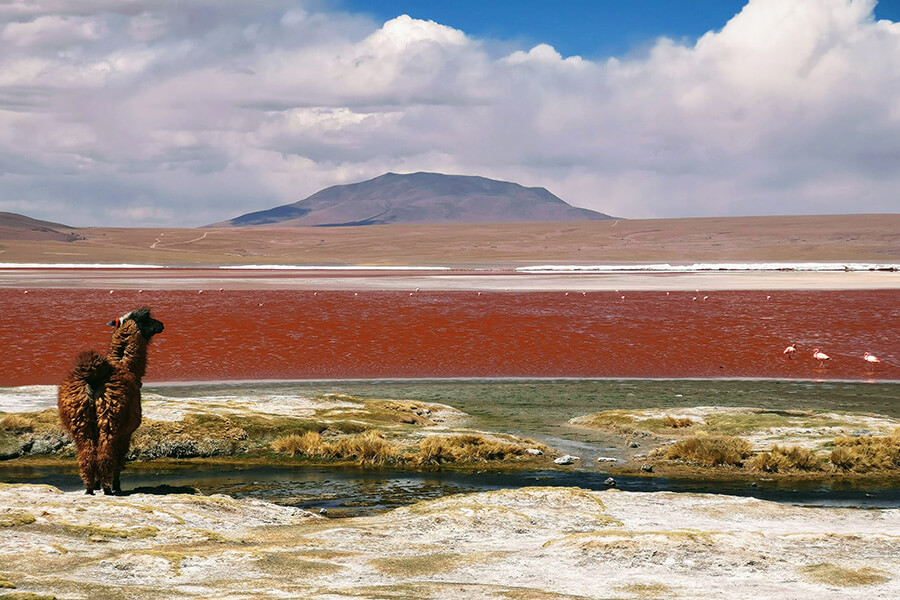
867, 454
418, 566
17, 424
781, 458
294, 444
439, 449
648, 590
831, 574
365, 448
711, 450
15, 519
676, 423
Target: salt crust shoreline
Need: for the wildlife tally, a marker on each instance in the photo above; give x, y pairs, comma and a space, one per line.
526, 543
133, 277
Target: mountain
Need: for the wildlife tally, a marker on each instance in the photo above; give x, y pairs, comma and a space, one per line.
419, 198
19, 227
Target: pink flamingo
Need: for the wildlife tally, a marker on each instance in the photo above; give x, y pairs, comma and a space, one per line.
789, 351
820, 356
871, 360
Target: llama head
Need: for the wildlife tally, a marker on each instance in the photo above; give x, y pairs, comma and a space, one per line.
141, 320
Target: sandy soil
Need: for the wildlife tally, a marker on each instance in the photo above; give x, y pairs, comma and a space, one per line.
528, 543
873, 238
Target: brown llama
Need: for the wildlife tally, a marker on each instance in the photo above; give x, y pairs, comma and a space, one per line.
100, 401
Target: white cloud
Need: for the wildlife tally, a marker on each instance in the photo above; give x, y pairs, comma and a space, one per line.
52, 31
189, 113
542, 54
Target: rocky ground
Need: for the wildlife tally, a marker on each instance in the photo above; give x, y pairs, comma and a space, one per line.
525, 544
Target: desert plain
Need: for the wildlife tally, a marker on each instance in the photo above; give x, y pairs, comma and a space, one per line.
828, 238
344, 322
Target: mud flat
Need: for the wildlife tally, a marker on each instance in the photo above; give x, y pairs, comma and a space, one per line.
527, 543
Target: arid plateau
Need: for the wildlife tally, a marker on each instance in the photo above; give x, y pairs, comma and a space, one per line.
649, 300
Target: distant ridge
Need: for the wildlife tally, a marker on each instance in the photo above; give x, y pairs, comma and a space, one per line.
14, 226
419, 198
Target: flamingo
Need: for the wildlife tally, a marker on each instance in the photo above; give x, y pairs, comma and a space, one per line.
820, 356
871, 360
789, 351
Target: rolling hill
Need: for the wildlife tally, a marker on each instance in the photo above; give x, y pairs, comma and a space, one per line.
19, 227
419, 198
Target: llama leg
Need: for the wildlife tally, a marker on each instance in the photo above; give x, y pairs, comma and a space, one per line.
106, 463
87, 463
121, 451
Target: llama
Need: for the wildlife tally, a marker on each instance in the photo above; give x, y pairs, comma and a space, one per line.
100, 401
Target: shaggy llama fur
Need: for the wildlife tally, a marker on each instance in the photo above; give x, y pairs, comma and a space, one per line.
100, 401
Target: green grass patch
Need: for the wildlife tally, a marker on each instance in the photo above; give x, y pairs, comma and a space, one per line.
736, 424
621, 421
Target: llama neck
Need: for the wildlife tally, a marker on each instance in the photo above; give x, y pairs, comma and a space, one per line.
129, 348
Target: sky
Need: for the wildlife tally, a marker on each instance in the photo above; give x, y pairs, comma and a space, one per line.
167, 113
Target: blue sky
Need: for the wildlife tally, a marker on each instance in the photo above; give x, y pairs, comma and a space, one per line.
149, 113
589, 28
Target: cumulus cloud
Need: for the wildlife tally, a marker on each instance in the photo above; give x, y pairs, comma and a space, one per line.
174, 114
